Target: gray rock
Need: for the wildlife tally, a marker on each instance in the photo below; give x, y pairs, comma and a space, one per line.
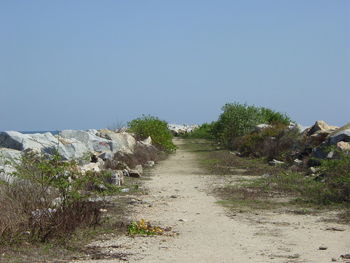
313, 170
6, 173
117, 177
341, 134
150, 164
139, 168
9, 156
276, 162
125, 141
147, 141
321, 127
178, 129
319, 152
18, 141
106, 156
44, 143
90, 140
343, 146
69, 149
134, 173
298, 162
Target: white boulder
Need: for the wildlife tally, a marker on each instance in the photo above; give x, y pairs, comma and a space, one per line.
341, 134
91, 141
43, 142
125, 141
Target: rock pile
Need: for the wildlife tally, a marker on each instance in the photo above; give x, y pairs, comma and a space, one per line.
94, 150
178, 129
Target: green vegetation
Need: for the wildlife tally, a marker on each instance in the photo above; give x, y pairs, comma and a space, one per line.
240, 119
149, 126
49, 200
205, 131
275, 142
250, 183
143, 227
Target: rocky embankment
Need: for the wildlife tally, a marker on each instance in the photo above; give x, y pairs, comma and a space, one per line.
181, 129
93, 150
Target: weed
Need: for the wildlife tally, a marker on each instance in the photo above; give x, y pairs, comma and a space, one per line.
143, 227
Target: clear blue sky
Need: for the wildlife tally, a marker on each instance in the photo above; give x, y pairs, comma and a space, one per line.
89, 64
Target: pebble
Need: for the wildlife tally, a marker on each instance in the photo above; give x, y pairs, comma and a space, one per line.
323, 248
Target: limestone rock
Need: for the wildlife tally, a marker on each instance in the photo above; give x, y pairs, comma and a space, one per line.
44, 143
18, 141
9, 156
341, 134
178, 129
125, 141
91, 141
6, 173
275, 162
147, 141
321, 127
94, 167
117, 178
344, 146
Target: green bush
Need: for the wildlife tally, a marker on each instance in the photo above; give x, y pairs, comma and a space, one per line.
157, 129
337, 176
48, 199
240, 119
205, 131
276, 142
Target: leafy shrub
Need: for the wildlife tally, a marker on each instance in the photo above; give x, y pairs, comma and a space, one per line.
276, 142
157, 129
205, 131
240, 119
270, 116
337, 177
47, 200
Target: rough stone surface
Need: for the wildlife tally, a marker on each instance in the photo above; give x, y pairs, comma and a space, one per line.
178, 129
6, 173
90, 140
341, 134
43, 142
118, 177
150, 164
139, 168
276, 162
321, 126
147, 141
134, 173
125, 141
18, 141
344, 146
106, 156
8, 156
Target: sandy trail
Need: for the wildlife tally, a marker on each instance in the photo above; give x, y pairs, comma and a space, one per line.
178, 198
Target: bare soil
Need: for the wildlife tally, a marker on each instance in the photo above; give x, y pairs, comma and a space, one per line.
205, 231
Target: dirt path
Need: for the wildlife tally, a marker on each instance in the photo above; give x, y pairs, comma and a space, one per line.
178, 198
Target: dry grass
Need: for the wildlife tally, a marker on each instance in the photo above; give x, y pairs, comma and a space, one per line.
141, 155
